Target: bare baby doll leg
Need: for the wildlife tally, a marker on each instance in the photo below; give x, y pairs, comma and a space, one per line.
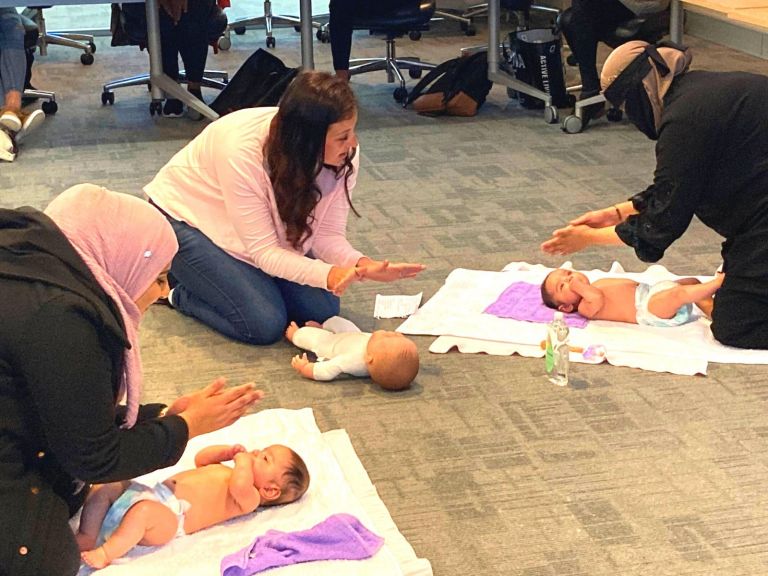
147, 522
95, 508
666, 303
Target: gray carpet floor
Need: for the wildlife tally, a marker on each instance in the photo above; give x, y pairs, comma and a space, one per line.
485, 467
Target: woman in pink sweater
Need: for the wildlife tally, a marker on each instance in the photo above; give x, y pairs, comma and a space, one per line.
259, 203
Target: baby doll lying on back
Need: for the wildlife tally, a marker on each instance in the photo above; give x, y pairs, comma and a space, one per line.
389, 358
667, 303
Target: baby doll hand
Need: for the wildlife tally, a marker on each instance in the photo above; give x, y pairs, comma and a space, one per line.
302, 365
235, 450
290, 331
313, 324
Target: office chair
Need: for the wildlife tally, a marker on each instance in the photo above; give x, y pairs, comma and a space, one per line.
466, 19
82, 42
411, 19
134, 23
238, 26
650, 28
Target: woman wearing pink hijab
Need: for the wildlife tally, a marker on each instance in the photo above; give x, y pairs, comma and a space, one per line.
75, 282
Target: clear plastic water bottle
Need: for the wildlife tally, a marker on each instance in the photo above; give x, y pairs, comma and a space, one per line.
556, 357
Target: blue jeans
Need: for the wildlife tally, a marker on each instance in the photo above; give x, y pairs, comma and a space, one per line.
13, 58
236, 298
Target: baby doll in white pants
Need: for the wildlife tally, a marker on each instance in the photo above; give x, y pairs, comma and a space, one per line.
389, 358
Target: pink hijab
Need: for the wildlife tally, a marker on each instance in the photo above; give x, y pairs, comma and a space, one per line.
126, 243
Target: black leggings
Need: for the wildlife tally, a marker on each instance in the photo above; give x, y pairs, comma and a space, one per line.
342, 14
588, 22
188, 38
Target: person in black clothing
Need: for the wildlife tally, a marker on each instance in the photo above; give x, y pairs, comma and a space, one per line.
586, 23
341, 16
186, 28
75, 281
711, 162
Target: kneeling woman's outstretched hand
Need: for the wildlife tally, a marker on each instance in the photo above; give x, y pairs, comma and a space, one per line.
386, 271
215, 406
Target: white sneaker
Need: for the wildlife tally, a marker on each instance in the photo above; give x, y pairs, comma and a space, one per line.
31, 122
7, 147
10, 121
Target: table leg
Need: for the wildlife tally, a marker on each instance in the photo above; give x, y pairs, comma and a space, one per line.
305, 13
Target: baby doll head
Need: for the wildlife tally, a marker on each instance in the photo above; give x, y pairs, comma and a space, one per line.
556, 290
392, 360
280, 475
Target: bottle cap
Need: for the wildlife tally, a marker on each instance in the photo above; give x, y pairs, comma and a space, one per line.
558, 315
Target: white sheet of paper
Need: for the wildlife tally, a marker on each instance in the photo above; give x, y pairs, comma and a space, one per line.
398, 306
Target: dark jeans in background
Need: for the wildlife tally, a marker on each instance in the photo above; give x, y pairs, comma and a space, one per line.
589, 21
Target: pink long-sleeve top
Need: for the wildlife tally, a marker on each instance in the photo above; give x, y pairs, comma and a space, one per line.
219, 184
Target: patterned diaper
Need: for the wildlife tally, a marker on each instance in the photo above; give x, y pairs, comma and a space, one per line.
136, 492
643, 294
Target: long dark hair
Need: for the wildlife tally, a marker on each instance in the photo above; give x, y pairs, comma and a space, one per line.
295, 147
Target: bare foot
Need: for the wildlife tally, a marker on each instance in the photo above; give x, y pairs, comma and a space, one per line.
290, 331
96, 558
85, 542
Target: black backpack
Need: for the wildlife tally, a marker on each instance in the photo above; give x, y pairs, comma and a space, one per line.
457, 87
260, 81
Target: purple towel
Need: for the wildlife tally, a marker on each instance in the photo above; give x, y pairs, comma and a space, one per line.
522, 301
338, 537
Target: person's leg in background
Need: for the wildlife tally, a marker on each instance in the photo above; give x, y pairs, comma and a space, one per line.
342, 13
13, 71
585, 24
169, 45
193, 41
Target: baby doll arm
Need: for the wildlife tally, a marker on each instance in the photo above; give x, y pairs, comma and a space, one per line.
217, 453
337, 325
241, 483
323, 371
592, 298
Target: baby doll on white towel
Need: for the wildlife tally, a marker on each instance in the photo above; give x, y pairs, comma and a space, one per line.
389, 358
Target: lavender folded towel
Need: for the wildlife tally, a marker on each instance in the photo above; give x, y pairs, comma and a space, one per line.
338, 537
522, 301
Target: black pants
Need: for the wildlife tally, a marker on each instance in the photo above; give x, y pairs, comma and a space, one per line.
342, 15
587, 22
188, 38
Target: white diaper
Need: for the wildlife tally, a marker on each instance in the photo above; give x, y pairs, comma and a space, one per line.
136, 492
643, 294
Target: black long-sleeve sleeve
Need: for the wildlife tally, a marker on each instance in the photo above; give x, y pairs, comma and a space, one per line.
68, 369
711, 162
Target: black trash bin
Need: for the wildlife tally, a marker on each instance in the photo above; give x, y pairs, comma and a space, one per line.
534, 58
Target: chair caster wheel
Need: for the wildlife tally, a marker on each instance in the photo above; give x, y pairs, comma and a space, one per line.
225, 43
107, 98
270, 42
92, 47
50, 107
239, 30
572, 125
550, 115
571, 60
400, 94
86, 59
155, 107
323, 36
614, 114
414, 35
415, 73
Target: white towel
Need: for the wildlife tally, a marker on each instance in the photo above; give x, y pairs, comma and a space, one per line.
339, 483
455, 313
